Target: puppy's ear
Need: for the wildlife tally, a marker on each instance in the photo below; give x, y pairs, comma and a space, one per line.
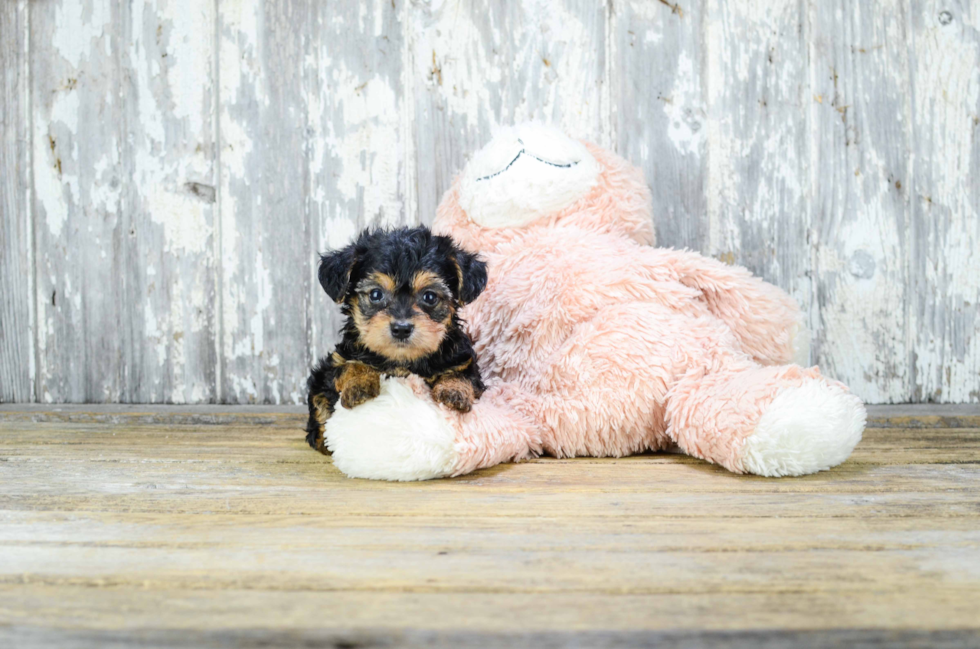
335, 270
472, 276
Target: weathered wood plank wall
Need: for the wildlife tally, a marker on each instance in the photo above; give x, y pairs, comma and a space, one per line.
168, 169
17, 371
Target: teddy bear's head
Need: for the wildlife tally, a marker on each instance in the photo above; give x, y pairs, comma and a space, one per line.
531, 176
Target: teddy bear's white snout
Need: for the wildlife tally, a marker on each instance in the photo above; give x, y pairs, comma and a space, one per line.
524, 173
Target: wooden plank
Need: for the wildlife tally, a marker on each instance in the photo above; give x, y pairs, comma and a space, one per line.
757, 140
266, 278
311, 123
456, 569
290, 468
480, 64
16, 218
660, 112
268, 470
861, 119
923, 415
21, 636
267, 439
359, 136
945, 202
124, 183
189, 535
218, 532
132, 610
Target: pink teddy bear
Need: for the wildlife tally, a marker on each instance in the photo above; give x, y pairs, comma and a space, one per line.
594, 343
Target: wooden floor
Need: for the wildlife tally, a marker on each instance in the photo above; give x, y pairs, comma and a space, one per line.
218, 527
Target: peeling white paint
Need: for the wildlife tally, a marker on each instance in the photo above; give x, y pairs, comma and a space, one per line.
186, 227
685, 124
944, 251
386, 119
73, 43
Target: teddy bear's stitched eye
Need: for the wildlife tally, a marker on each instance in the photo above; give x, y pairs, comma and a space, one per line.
375, 295
430, 298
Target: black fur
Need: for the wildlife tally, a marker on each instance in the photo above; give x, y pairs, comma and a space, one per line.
474, 273
398, 254
335, 270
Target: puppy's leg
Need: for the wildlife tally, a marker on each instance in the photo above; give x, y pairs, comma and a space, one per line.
458, 389
357, 383
321, 400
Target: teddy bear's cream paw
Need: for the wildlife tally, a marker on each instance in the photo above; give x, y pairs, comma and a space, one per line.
806, 429
395, 436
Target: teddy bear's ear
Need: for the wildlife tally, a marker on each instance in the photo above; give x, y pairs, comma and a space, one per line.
335, 270
472, 274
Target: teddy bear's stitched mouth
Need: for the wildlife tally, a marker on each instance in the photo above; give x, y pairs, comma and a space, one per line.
523, 151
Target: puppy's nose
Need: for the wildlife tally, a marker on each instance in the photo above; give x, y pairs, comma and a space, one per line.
401, 330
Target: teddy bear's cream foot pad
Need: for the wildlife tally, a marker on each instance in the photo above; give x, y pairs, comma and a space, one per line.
806, 429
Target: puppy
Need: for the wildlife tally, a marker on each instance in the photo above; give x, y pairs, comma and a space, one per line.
401, 291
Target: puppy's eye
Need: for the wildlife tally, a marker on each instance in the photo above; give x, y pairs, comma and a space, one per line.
429, 298
375, 295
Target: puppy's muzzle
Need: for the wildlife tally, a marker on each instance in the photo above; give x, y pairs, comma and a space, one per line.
401, 330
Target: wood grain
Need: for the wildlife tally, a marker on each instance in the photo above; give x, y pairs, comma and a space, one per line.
170, 170
945, 202
660, 113
266, 251
861, 118
239, 535
757, 139
17, 351
123, 151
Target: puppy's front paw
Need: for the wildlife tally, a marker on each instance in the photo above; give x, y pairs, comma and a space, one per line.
455, 393
357, 383
358, 393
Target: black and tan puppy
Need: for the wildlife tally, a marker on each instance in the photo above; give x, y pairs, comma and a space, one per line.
401, 291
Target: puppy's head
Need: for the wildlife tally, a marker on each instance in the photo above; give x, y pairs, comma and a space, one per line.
401, 288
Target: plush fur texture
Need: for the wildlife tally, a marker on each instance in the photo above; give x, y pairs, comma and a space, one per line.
805, 429
399, 435
525, 173
593, 343
401, 291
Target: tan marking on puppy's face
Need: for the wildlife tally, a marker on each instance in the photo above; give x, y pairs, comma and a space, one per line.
383, 281
425, 284
425, 339
426, 279
430, 308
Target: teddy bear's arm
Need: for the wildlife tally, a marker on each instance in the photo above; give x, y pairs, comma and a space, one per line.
765, 319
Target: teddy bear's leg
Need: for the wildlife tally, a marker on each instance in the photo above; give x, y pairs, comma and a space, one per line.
766, 321
771, 421
500, 428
